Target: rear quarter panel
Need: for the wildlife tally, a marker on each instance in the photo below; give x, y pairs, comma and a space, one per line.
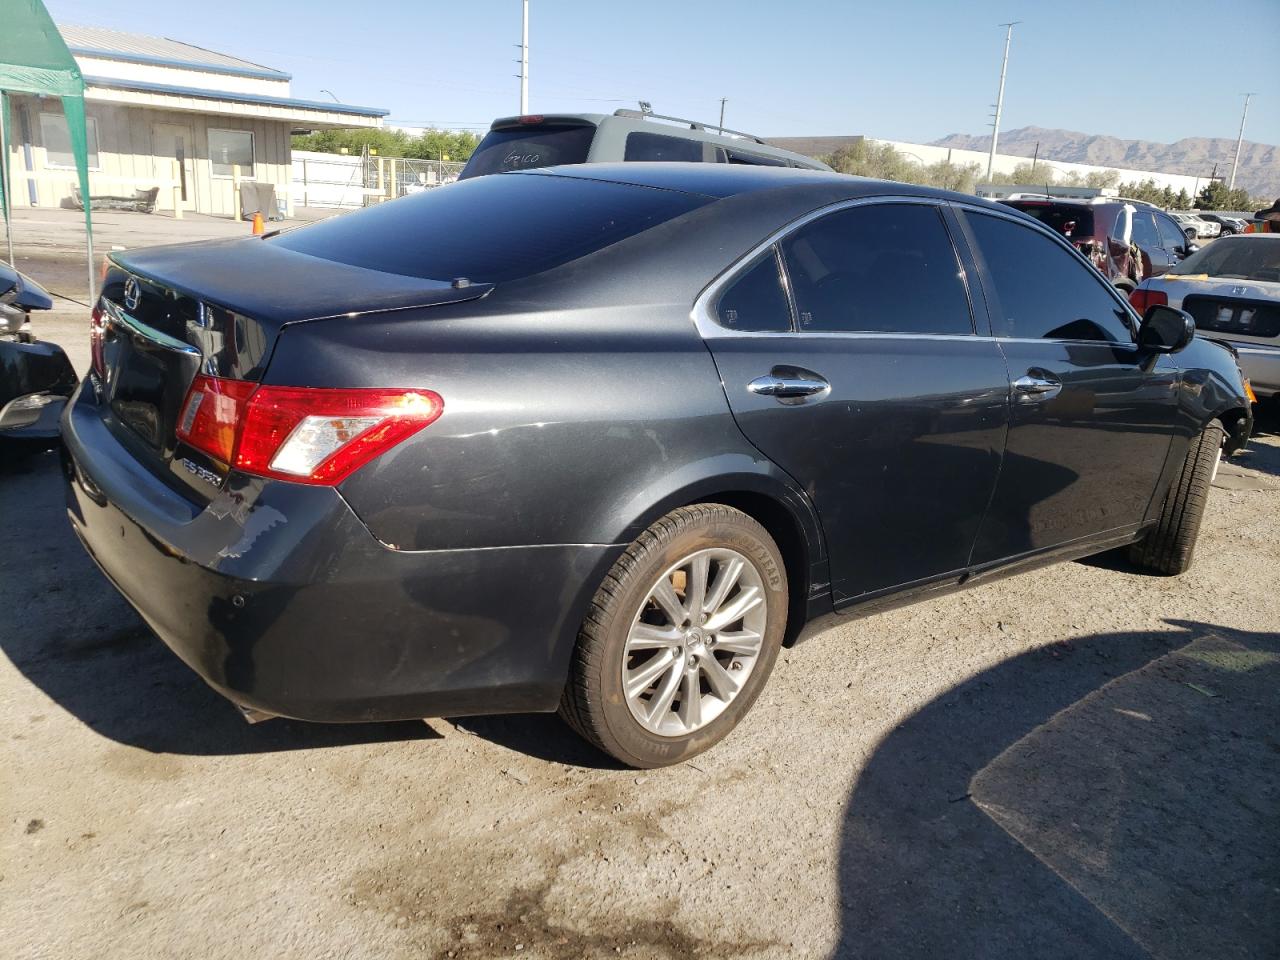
558, 427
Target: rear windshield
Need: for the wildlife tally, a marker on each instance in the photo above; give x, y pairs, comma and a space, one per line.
1235, 258
492, 228
1074, 223
527, 147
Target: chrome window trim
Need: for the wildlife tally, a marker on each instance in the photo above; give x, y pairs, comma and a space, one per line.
703, 313
146, 332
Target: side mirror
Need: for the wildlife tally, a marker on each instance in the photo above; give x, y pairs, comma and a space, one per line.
1166, 329
8, 279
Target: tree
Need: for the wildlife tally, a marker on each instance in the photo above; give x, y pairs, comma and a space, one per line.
962, 178
1216, 196
429, 145
1145, 190
1030, 175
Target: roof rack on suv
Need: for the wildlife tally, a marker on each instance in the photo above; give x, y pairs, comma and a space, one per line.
693, 124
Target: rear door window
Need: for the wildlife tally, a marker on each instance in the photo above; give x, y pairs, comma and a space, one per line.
1171, 235
490, 229
757, 300
661, 148
529, 147
1144, 229
1042, 290
887, 268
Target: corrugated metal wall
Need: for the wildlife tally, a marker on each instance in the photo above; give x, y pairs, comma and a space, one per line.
127, 158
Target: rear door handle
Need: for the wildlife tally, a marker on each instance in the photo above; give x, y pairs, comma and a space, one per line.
783, 387
1034, 386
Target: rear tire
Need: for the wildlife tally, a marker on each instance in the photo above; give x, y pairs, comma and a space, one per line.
1168, 548
658, 677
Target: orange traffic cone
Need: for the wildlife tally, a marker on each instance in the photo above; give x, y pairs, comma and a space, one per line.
258, 228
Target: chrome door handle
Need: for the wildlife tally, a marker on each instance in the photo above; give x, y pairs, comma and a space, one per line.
771, 386
1032, 387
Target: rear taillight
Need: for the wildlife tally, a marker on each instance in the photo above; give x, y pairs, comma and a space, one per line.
97, 328
1143, 299
303, 434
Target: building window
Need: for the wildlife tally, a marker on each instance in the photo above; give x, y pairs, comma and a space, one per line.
57, 141
228, 148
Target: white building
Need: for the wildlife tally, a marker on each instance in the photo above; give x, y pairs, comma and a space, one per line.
1005, 164
166, 114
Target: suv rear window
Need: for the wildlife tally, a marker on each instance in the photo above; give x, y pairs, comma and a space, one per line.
659, 147
528, 147
1074, 223
490, 229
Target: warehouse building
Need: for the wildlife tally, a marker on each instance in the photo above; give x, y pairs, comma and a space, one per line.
169, 117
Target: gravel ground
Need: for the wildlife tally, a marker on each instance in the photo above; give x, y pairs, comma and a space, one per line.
1077, 762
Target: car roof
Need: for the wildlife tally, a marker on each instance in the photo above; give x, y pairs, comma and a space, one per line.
721, 180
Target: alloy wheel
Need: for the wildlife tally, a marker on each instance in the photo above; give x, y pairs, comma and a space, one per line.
694, 641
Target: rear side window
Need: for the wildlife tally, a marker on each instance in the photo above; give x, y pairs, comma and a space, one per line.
1044, 291
490, 229
756, 301
657, 147
753, 159
529, 147
882, 268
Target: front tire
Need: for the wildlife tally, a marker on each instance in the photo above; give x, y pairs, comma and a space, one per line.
680, 637
1168, 548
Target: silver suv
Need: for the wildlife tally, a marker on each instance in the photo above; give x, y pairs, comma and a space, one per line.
547, 140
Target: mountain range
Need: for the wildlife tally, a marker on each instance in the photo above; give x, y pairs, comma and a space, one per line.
1259, 162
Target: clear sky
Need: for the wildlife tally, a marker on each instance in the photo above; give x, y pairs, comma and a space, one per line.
896, 69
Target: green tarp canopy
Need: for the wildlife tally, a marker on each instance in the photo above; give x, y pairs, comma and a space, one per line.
35, 60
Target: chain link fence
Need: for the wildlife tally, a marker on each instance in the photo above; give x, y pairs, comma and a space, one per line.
386, 178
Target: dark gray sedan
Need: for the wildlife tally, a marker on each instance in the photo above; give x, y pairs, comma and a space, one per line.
601, 439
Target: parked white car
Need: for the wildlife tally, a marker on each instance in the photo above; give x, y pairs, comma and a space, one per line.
1203, 228
1232, 289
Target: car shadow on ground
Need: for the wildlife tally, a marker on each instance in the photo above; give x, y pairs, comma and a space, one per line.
1112, 796
66, 629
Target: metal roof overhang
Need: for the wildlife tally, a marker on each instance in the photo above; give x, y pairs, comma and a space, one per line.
303, 114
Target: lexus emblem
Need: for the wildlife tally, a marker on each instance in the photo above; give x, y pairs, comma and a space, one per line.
132, 293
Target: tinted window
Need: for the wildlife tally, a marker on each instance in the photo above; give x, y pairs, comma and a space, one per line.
753, 159
886, 267
490, 228
1042, 289
1144, 229
756, 300
527, 147
1073, 222
655, 146
1171, 235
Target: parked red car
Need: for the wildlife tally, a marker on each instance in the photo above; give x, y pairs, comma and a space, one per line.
1127, 240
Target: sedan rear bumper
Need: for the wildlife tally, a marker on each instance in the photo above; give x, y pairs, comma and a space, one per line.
1261, 365
281, 599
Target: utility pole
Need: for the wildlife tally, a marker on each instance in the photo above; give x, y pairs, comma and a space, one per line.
1239, 141
1004, 66
6, 183
722, 102
524, 61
